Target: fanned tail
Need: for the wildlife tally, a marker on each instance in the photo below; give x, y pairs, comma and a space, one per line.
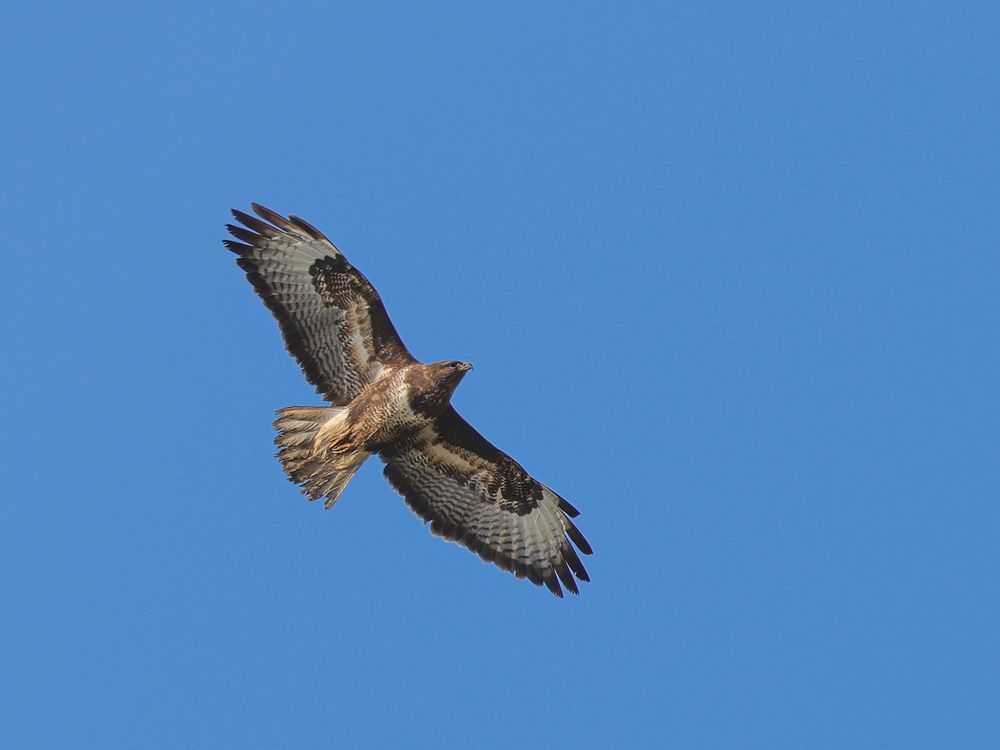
315, 450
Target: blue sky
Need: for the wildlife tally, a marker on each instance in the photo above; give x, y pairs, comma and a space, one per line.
727, 272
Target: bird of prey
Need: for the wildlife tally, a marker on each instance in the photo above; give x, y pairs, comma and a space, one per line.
386, 402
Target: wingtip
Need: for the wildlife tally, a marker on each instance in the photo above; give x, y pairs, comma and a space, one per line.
562, 570
577, 537
308, 228
268, 215
236, 247
567, 507
553, 585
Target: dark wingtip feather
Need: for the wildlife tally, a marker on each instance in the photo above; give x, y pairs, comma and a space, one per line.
578, 538
553, 585
243, 234
237, 247
573, 559
308, 228
272, 216
567, 578
256, 224
568, 508
241, 216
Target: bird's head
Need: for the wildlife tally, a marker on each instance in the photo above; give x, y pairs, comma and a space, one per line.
449, 374
431, 385
452, 370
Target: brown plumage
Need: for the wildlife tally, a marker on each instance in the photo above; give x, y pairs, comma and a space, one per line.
385, 402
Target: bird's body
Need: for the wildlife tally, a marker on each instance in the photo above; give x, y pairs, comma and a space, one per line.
319, 445
387, 403
403, 403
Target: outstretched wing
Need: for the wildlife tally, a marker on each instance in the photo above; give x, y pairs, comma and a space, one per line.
475, 494
332, 319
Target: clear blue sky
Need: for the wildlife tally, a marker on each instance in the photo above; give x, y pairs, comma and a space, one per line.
728, 273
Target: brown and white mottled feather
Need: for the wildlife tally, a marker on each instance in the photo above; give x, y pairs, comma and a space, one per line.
332, 319
335, 325
475, 494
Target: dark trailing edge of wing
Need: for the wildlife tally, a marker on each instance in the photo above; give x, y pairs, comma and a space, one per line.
455, 430
560, 571
567, 508
293, 339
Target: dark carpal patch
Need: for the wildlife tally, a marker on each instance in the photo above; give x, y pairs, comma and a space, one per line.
330, 280
339, 284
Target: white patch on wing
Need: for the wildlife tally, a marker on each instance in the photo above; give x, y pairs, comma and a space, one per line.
441, 454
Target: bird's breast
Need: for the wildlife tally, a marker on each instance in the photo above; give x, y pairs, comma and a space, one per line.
386, 409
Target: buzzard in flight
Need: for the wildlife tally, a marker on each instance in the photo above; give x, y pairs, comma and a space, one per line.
386, 402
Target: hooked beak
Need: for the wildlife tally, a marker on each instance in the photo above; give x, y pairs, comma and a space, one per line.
465, 367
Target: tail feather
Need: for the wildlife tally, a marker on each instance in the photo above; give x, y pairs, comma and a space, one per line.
315, 450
